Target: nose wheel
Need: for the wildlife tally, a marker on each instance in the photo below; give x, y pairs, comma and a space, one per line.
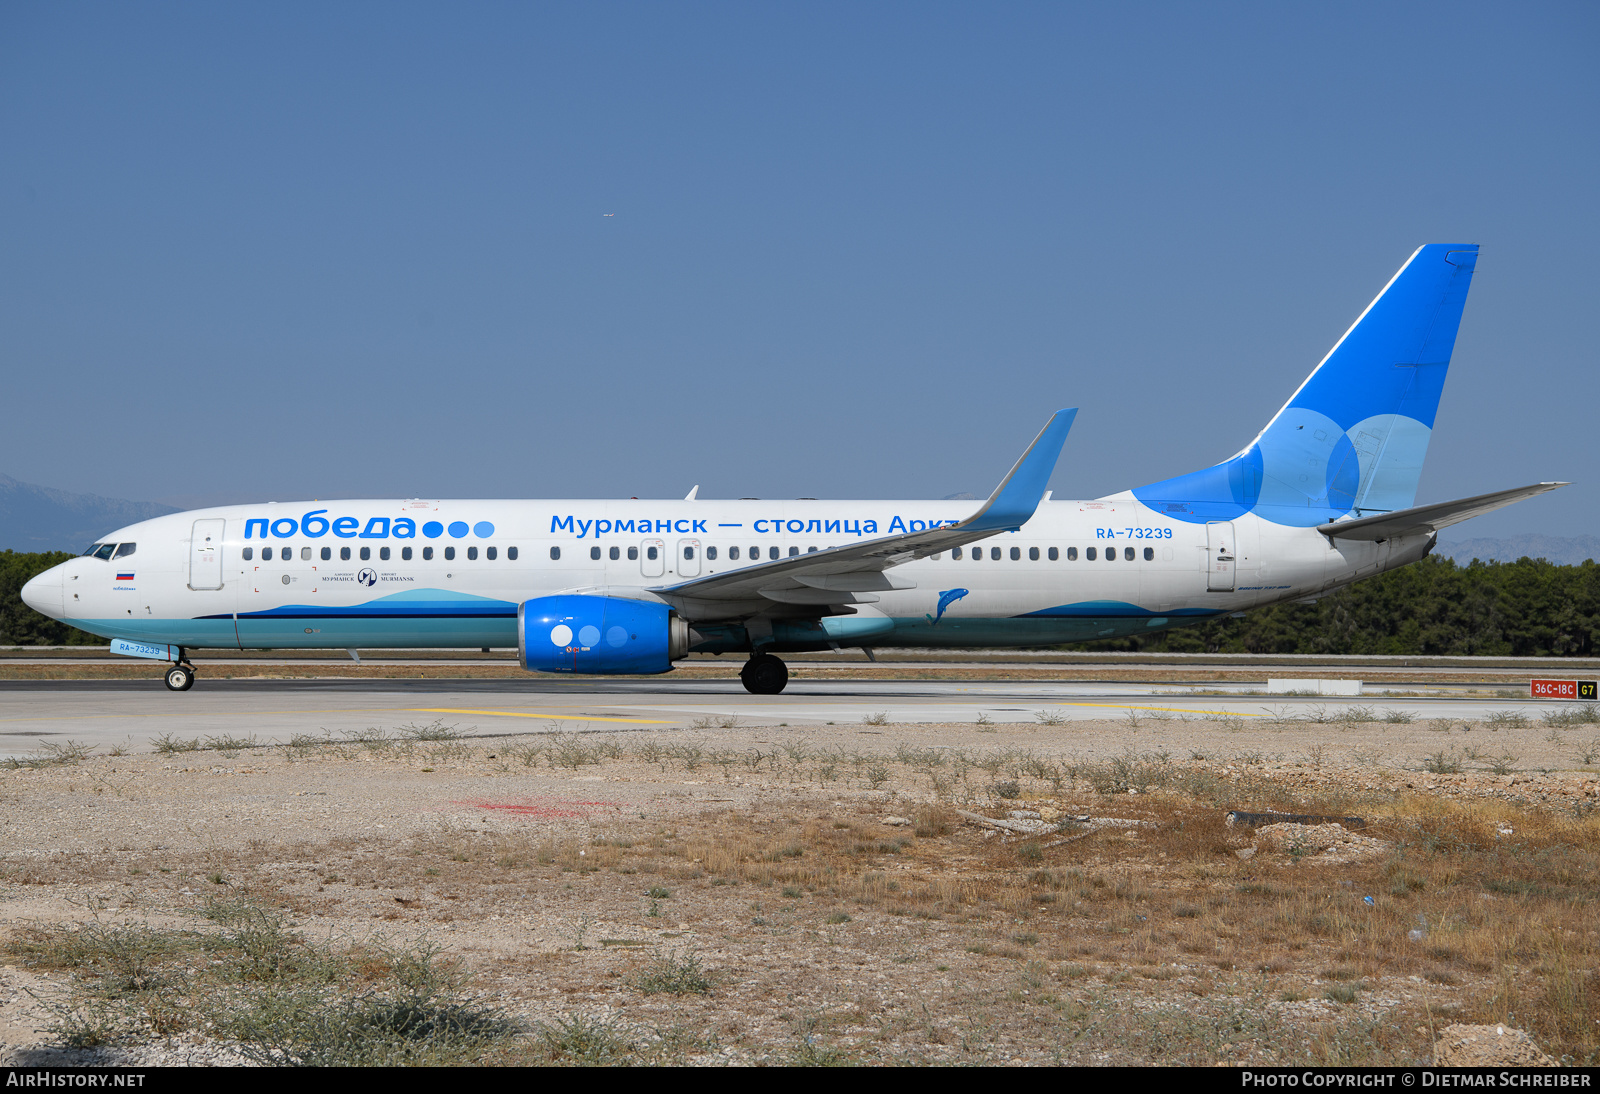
179, 678
764, 674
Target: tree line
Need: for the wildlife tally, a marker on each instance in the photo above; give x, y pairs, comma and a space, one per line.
1527, 608
20, 625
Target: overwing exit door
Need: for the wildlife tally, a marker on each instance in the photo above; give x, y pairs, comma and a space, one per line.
653, 557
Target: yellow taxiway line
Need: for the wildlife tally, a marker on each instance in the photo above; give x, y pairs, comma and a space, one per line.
549, 717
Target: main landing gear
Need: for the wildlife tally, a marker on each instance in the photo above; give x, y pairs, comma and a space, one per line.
179, 677
764, 674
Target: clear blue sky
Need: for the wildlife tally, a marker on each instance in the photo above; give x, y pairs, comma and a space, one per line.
598, 250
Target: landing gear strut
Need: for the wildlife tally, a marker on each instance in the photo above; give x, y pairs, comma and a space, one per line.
179, 678
764, 674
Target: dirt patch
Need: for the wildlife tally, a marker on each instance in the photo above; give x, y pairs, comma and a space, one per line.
759, 894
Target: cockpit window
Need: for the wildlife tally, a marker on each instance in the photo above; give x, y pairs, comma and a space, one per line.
125, 549
91, 549
104, 550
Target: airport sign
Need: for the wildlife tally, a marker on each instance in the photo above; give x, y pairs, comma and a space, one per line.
1562, 689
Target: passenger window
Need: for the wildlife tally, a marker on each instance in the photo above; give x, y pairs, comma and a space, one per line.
327, 553
125, 549
1016, 554
594, 554
249, 553
366, 554
405, 554
472, 554
1089, 554
977, 554
555, 554
615, 554
650, 553
491, 553
1055, 554
794, 552
1149, 554
450, 553
772, 553
733, 553
1127, 554
1033, 554
1111, 554
711, 554
427, 554
688, 553
955, 553
811, 550
383, 554
305, 554
266, 554
344, 554
994, 554
633, 554
511, 554
1072, 554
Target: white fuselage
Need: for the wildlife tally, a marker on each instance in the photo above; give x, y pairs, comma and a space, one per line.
451, 573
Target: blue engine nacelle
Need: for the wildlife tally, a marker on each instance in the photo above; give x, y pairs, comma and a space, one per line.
599, 634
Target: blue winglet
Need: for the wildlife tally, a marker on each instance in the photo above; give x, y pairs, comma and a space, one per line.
1015, 499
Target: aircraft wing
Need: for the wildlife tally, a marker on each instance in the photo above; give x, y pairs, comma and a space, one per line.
1425, 519
851, 574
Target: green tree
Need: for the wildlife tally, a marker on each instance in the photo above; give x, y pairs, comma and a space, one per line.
20, 625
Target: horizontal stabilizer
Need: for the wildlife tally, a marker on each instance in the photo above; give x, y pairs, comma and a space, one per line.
1426, 519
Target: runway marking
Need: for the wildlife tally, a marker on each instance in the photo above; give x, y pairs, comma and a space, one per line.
1170, 710
206, 714
547, 716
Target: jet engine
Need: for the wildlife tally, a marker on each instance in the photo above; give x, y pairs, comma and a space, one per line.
599, 634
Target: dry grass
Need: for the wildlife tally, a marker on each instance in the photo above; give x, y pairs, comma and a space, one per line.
808, 930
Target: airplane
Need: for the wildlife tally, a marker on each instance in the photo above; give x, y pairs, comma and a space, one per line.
1322, 497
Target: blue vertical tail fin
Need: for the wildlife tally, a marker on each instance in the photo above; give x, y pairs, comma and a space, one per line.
1353, 438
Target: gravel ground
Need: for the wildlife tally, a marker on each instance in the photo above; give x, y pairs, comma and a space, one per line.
538, 876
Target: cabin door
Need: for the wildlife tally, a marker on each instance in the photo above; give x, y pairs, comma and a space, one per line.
205, 555
1220, 556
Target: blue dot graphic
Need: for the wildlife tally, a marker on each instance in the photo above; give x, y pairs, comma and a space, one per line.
458, 528
432, 529
483, 529
589, 636
616, 636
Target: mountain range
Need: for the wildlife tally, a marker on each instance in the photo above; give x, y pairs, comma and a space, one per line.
1562, 550
39, 518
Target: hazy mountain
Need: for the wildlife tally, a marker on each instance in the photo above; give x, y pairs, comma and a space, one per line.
37, 518
1565, 550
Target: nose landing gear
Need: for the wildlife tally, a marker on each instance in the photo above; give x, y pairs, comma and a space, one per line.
764, 674
179, 678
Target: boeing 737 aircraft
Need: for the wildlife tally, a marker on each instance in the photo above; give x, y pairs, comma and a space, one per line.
1322, 497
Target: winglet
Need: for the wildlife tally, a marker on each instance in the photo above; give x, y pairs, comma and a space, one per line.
1019, 493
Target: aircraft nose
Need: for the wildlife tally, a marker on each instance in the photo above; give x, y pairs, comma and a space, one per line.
44, 593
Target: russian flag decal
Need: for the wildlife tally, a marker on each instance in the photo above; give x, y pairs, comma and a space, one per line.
124, 577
